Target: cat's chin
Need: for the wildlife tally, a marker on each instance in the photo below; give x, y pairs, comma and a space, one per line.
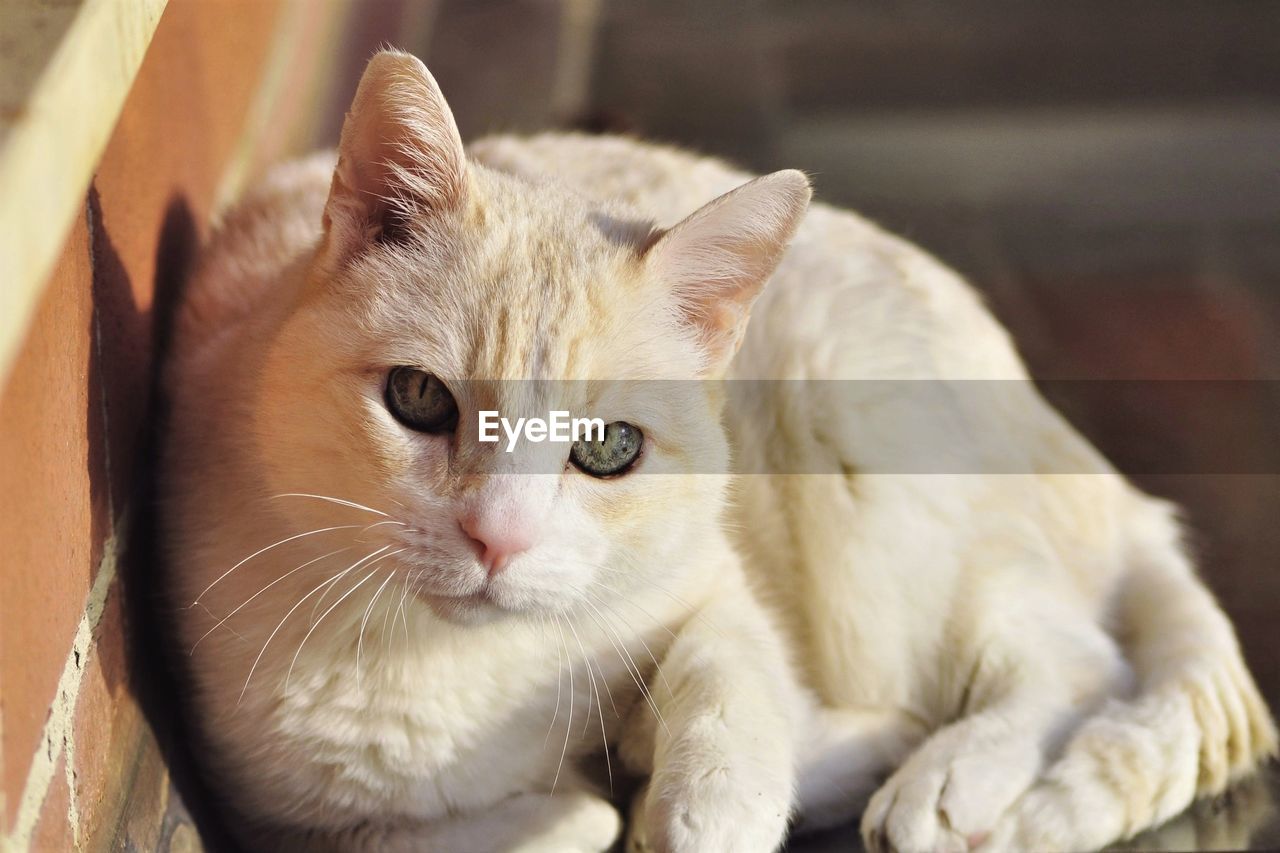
477, 609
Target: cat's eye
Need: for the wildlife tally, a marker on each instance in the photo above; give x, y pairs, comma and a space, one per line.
612, 456
421, 401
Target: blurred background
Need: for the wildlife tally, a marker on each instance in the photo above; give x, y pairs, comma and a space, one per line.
1107, 174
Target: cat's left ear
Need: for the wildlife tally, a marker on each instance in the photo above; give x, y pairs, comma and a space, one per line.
399, 156
718, 259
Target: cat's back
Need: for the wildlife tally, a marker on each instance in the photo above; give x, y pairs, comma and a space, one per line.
275, 224
849, 301
656, 181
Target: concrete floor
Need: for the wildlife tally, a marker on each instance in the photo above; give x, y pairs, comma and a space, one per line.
1246, 818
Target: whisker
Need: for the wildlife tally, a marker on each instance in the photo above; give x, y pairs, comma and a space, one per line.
590, 675
386, 612
603, 603
604, 739
657, 667
224, 619
351, 504
607, 691
265, 550
391, 573
695, 611
212, 615
404, 620
344, 597
568, 727
627, 661
559, 678
380, 523
280, 624
319, 601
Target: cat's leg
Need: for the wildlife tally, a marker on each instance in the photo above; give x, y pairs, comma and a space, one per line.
954, 789
1130, 766
572, 821
1196, 723
1021, 703
721, 757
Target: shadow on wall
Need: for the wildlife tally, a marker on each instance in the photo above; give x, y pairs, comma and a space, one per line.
134, 333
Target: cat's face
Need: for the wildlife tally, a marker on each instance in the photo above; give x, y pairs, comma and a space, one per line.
479, 292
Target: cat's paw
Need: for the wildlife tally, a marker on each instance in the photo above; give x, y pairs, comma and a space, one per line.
949, 797
718, 808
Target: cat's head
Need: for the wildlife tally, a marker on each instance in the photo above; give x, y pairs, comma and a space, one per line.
441, 289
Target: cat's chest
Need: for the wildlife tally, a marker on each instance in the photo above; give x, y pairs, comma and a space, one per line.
442, 724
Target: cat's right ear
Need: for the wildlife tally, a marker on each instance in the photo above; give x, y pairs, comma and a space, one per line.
399, 157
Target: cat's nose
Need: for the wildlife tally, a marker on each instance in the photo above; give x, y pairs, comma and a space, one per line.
496, 541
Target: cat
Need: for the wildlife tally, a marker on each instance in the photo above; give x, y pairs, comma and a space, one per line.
400, 638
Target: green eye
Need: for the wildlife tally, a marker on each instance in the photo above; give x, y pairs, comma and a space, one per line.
420, 401
614, 455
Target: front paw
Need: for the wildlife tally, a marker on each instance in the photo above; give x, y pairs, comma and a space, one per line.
947, 798
718, 809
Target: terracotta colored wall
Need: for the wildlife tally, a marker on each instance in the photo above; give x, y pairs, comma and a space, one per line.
79, 765
227, 87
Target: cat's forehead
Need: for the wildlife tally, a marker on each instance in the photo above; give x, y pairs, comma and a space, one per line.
558, 281
545, 225
534, 283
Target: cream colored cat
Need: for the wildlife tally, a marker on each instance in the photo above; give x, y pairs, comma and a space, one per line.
404, 639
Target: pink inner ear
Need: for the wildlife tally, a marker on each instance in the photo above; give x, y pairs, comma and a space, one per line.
400, 152
718, 259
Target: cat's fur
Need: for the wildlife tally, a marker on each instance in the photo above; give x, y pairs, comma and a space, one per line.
961, 628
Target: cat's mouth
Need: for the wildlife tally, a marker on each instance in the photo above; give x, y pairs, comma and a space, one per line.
470, 608
452, 588
487, 602
460, 591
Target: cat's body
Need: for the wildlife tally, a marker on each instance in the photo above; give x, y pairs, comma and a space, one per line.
842, 619
906, 592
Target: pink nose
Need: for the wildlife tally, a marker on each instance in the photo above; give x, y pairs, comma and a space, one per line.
496, 542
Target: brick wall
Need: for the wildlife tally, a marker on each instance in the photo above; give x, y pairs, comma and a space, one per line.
224, 87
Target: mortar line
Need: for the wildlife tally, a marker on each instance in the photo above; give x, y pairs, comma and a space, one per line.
91, 222
61, 718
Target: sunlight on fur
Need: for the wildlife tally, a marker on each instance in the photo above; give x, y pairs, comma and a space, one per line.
398, 638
